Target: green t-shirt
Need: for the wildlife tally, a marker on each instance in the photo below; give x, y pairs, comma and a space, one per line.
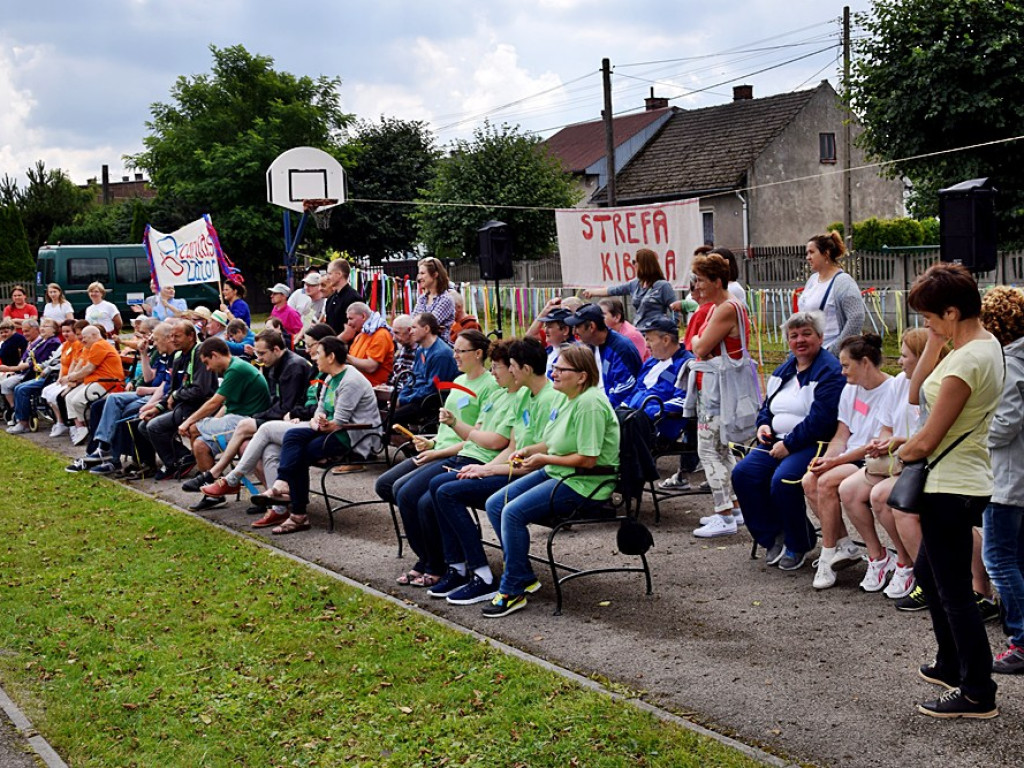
496, 415
244, 389
588, 426
465, 407
533, 414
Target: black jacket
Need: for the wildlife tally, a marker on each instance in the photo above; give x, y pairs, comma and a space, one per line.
288, 381
336, 307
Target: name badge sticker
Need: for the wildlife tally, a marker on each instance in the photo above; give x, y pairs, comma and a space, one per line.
526, 418
861, 407
463, 402
554, 414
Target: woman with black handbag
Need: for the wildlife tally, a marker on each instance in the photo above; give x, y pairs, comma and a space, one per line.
958, 396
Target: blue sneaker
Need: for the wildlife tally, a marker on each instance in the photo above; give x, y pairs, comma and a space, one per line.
476, 591
503, 605
448, 583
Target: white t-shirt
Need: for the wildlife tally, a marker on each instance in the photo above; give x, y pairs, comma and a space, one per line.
738, 292
102, 314
811, 299
900, 415
58, 313
862, 410
790, 405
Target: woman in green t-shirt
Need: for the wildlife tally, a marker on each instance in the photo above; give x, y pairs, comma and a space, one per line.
582, 433
405, 484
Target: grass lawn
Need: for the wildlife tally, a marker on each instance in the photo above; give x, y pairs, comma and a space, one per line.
133, 635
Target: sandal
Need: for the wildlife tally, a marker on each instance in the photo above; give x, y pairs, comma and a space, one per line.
406, 579
425, 580
346, 469
291, 525
271, 498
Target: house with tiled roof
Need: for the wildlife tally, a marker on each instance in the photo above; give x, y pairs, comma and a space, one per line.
766, 170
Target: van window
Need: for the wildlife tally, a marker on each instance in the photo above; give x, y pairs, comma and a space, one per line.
45, 268
85, 271
134, 270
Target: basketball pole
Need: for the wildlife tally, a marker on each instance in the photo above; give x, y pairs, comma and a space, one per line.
291, 244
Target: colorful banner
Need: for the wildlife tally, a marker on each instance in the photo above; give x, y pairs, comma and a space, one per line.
597, 245
186, 256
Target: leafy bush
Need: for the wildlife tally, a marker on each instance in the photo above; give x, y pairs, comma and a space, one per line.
16, 259
873, 234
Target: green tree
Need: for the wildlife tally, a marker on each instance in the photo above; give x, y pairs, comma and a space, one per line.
16, 260
101, 224
937, 75
393, 160
48, 200
209, 148
499, 167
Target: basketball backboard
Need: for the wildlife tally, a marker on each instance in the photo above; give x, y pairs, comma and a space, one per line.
304, 173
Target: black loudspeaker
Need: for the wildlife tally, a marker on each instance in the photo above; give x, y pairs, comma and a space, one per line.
967, 224
496, 251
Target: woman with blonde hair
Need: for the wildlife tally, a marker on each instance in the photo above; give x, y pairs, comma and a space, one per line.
101, 312
832, 291
650, 292
57, 306
435, 298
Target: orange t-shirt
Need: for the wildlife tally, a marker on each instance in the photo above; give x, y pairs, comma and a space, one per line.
69, 353
379, 346
109, 371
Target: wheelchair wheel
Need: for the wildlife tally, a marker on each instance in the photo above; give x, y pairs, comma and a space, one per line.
33, 423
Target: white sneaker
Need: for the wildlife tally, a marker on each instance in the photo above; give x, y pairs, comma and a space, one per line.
59, 430
737, 517
878, 572
902, 582
79, 435
17, 429
676, 482
846, 554
825, 577
717, 526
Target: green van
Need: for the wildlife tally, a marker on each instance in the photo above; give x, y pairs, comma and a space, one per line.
123, 270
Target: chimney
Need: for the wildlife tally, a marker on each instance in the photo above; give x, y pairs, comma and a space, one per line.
742, 92
138, 177
653, 102
105, 185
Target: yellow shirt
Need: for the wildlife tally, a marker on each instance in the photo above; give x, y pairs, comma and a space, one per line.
967, 469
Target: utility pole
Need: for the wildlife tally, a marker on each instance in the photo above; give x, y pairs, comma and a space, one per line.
847, 186
609, 132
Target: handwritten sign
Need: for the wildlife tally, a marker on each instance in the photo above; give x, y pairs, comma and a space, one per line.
597, 246
184, 257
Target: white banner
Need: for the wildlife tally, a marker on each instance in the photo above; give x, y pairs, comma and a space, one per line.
597, 245
184, 257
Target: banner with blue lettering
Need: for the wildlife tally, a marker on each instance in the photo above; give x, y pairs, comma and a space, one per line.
597, 245
186, 256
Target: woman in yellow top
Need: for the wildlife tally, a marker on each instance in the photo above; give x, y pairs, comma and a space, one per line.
958, 394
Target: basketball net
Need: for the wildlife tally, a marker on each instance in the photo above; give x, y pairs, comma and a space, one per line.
321, 214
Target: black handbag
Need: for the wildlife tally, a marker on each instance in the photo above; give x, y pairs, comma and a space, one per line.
906, 491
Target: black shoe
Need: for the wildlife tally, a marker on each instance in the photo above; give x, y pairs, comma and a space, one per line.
78, 465
183, 466
141, 473
955, 703
913, 602
208, 502
450, 582
192, 485
989, 609
164, 473
778, 549
937, 676
503, 605
792, 561
252, 509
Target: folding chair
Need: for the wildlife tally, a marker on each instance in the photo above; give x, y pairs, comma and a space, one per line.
686, 445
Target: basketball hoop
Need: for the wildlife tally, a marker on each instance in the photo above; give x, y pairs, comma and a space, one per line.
320, 209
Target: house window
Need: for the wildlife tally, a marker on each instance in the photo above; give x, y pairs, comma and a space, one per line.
708, 221
827, 147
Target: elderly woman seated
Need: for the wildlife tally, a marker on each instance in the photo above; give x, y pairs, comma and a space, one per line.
582, 433
799, 412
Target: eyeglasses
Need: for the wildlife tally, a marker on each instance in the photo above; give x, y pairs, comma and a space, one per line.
562, 369
463, 351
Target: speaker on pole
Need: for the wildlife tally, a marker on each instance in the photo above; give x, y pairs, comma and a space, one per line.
496, 251
967, 224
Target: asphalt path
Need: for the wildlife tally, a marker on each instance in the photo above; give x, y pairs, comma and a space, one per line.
825, 678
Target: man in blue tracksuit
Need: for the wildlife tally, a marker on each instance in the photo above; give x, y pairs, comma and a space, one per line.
658, 377
617, 359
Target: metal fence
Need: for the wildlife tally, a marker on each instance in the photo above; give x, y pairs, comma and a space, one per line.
6, 288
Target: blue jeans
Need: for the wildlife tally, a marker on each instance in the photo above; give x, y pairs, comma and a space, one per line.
412, 497
118, 406
529, 500
303, 447
770, 506
1003, 553
460, 538
22, 393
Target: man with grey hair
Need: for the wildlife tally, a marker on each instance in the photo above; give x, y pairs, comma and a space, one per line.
405, 348
42, 343
372, 351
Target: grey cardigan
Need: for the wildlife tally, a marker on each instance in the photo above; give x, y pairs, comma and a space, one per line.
850, 310
1006, 434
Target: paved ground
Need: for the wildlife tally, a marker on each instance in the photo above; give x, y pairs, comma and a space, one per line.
827, 678
15, 751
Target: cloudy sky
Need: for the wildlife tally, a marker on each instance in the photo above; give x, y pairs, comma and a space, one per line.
77, 78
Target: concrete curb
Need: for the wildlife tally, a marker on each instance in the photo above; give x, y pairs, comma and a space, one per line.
40, 745
754, 753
